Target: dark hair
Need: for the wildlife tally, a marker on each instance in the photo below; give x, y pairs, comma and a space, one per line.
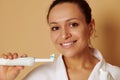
82, 4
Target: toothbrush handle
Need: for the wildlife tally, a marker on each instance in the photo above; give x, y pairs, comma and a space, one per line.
28, 61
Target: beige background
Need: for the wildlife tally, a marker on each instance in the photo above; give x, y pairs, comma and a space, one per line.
23, 29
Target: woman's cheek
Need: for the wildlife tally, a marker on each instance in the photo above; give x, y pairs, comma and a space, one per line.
54, 37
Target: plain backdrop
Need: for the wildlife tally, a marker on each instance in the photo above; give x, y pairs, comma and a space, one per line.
24, 29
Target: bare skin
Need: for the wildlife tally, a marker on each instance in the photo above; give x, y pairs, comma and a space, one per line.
10, 72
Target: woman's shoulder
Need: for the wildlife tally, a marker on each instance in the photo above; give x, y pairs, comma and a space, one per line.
44, 71
111, 67
114, 70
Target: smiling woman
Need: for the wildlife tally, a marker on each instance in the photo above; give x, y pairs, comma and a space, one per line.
71, 27
71, 31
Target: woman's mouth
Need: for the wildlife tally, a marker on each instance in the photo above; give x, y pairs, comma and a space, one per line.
68, 44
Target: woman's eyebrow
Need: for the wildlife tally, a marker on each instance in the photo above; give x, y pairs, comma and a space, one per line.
73, 19
53, 23
67, 20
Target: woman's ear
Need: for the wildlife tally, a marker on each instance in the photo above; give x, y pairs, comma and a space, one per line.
92, 26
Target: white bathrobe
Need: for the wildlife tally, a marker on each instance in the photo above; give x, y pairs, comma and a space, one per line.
57, 71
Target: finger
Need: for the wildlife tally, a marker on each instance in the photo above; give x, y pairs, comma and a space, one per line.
4, 56
16, 67
15, 55
10, 55
20, 67
25, 55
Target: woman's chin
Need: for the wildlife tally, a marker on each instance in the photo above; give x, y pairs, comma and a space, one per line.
69, 54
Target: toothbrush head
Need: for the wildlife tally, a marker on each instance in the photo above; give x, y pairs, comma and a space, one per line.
52, 57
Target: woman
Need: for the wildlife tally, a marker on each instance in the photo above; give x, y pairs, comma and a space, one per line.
71, 26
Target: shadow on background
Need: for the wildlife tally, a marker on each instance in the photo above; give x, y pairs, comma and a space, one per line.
111, 38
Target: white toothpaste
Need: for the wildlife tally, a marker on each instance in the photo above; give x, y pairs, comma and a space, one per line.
26, 61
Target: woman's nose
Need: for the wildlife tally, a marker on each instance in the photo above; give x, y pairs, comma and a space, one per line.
66, 34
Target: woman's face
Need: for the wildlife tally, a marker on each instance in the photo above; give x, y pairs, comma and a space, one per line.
69, 31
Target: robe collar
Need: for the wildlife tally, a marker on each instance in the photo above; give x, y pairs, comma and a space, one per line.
98, 73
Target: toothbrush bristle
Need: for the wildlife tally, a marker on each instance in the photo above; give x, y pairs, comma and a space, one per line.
52, 56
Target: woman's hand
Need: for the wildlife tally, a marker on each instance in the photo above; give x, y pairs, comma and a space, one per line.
10, 72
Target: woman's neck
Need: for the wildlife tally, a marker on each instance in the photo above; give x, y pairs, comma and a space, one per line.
84, 60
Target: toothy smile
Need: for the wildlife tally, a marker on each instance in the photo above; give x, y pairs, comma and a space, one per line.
67, 44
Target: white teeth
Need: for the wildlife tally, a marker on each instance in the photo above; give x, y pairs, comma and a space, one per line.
67, 44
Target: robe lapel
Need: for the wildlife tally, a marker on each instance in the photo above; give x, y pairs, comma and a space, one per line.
61, 73
99, 72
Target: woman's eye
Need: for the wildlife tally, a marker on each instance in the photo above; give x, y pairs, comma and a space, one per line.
73, 24
54, 28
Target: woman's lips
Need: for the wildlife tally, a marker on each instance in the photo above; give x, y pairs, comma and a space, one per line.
68, 44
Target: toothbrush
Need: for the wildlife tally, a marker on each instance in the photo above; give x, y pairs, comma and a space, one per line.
26, 61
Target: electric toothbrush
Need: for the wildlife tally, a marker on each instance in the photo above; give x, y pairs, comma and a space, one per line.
26, 61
